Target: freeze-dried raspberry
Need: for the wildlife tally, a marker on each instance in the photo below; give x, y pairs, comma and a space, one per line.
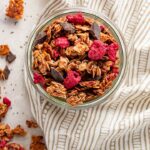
97, 50
2, 143
62, 42
112, 51
115, 70
55, 54
76, 19
102, 27
38, 78
72, 79
6, 101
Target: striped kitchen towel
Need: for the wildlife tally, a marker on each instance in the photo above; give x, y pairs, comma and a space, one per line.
123, 123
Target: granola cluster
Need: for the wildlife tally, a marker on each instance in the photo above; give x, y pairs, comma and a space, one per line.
75, 58
15, 9
37, 143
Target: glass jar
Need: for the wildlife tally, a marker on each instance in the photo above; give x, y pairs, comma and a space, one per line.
122, 54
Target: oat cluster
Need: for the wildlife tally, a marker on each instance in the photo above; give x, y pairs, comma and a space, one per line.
75, 58
15, 9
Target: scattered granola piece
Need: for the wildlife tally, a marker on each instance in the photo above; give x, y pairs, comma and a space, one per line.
3, 110
18, 130
5, 132
4, 50
14, 146
10, 57
31, 124
15, 9
37, 143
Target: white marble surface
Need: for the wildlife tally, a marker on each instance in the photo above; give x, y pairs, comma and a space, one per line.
16, 35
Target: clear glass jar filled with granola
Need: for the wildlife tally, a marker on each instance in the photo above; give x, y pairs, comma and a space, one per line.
76, 58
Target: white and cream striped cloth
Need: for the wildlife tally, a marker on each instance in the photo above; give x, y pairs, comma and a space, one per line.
123, 123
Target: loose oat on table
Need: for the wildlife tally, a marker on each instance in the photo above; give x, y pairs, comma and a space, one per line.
76, 59
15, 9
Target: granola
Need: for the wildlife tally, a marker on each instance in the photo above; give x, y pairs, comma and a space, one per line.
37, 143
18, 130
15, 9
31, 124
77, 59
4, 50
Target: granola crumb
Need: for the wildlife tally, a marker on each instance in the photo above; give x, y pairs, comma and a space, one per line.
31, 124
37, 143
4, 50
15, 9
18, 130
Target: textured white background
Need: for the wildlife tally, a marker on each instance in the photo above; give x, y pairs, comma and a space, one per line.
16, 35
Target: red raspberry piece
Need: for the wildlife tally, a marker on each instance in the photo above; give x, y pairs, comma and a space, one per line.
112, 51
7, 101
72, 79
97, 50
38, 78
102, 27
55, 54
76, 19
62, 42
115, 70
2, 143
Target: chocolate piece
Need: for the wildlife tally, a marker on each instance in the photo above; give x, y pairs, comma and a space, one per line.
95, 30
56, 75
10, 57
6, 72
68, 27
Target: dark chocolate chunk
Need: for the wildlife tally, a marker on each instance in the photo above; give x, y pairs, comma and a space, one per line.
6, 72
10, 57
95, 31
41, 38
68, 27
56, 75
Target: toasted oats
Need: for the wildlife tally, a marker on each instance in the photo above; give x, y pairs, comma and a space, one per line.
93, 69
63, 62
15, 9
41, 61
76, 99
78, 50
83, 28
57, 90
105, 37
90, 84
4, 50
